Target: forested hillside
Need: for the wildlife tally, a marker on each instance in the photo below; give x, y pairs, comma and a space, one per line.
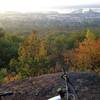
22, 56
32, 44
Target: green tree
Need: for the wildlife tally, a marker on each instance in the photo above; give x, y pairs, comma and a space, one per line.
13, 65
3, 73
2, 32
9, 45
90, 35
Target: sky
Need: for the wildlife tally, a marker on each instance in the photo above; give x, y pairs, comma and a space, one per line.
41, 5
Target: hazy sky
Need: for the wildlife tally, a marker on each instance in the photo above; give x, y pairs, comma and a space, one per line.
41, 5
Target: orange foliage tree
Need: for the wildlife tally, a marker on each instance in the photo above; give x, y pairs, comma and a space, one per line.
88, 54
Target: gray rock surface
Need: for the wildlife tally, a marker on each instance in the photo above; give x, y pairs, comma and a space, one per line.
43, 87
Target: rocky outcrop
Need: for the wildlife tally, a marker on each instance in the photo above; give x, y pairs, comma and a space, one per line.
43, 87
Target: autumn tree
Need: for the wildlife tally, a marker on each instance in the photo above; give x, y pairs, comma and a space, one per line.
28, 52
42, 49
32, 55
42, 57
88, 53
